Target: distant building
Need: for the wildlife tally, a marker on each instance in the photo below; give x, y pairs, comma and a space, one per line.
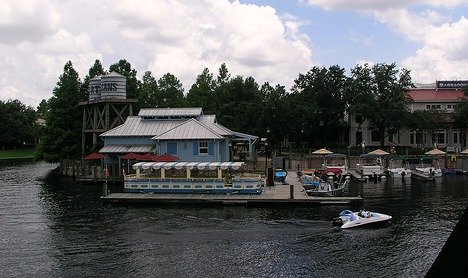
444, 96
182, 132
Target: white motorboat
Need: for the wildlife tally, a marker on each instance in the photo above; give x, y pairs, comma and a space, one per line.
348, 219
427, 171
370, 166
399, 168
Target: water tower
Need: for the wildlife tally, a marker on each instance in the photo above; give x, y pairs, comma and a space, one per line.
107, 107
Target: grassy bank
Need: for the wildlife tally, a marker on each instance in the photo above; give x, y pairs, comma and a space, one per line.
17, 154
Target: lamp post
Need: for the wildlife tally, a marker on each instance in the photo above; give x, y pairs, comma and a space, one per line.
267, 148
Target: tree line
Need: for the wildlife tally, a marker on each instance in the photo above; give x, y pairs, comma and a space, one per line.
312, 112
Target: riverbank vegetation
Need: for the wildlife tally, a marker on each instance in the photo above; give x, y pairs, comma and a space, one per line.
312, 113
18, 154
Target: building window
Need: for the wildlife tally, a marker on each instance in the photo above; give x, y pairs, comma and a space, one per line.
455, 137
375, 135
203, 147
417, 138
433, 106
440, 137
449, 106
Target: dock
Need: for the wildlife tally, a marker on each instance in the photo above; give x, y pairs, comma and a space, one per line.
289, 193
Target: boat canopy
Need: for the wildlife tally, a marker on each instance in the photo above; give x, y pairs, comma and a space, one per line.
369, 155
335, 155
188, 165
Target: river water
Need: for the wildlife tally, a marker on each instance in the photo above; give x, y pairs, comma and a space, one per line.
51, 227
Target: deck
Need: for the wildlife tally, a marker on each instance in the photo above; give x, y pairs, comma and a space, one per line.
290, 193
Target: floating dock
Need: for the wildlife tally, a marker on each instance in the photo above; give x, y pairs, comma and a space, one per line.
289, 193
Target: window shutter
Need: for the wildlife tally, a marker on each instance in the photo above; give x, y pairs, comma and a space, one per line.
172, 147
195, 148
210, 148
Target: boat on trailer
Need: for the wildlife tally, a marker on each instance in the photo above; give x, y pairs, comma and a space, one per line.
193, 177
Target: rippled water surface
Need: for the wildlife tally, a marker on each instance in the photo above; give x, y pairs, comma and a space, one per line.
57, 228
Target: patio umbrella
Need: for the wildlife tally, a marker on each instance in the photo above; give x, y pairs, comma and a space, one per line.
166, 158
379, 152
435, 152
93, 156
322, 151
131, 156
149, 157
465, 151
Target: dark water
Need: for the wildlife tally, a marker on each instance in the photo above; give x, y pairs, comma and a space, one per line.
56, 228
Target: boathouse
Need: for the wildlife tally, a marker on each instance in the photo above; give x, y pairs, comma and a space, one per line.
185, 133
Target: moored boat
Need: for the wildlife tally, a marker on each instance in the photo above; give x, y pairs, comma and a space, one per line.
336, 164
328, 188
280, 175
399, 168
348, 219
192, 177
427, 171
370, 166
309, 179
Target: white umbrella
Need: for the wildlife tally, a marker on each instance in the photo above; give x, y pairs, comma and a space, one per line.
435, 152
379, 152
322, 151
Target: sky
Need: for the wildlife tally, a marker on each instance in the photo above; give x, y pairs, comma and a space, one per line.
271, 40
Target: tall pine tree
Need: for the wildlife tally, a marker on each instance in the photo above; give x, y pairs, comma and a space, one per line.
62, 136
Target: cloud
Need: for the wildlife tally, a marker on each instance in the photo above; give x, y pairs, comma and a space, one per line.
31, 21
178, 36
373, 5
443, 52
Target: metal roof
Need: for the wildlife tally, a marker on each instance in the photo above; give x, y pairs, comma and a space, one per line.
136, 126
168, 112
190, 129
210, 121
188, 165
127, 149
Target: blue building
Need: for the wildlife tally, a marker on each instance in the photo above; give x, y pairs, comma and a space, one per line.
182, 132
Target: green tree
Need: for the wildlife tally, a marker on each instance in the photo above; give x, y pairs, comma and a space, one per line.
461, 117
239, 103
320, 103
148, 96
43, 109
201, 93
380, 95
18, 124
62, 134
275, 115
94, 71
171, 92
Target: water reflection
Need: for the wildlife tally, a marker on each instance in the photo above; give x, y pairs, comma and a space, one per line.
56, 227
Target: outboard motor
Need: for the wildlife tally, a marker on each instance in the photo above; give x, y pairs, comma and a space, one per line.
337, 222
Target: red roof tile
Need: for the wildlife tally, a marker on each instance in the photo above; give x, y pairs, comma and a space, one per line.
435, 95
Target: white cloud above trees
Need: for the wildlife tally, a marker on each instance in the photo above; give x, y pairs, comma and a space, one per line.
180, 37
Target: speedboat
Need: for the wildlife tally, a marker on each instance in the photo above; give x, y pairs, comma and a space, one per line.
348, 219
